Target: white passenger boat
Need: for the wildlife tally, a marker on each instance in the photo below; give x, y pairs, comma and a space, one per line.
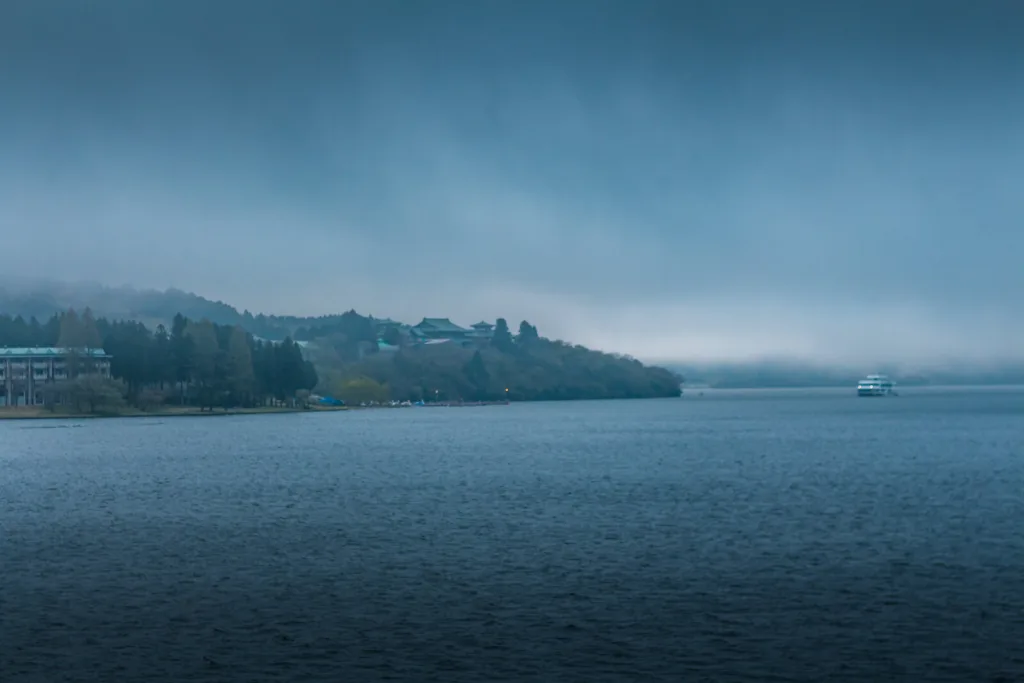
876, 385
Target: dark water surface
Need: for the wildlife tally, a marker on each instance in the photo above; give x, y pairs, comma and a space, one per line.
736, 537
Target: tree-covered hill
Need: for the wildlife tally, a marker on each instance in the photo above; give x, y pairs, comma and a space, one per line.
345, 349
545, 370
526, 367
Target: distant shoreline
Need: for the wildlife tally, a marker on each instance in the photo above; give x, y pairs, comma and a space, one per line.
36, 413
43, 414
910, 388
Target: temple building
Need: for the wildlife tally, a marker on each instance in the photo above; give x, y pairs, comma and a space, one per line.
439, 328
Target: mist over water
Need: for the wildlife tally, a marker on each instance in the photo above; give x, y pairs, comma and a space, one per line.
789, 536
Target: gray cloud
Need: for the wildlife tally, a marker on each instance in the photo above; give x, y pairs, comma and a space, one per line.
669, 179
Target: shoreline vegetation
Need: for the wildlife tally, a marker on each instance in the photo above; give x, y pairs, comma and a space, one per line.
192, 367
38, 413
197, 365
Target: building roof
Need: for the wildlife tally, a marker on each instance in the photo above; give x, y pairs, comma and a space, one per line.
482, 325
47, 352
440, 325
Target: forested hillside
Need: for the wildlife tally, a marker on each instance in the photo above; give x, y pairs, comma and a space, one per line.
523, 367
176, 339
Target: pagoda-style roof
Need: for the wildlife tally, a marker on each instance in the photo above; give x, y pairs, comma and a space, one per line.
481, 326
440, 325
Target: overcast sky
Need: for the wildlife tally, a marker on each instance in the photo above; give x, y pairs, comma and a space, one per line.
676, 180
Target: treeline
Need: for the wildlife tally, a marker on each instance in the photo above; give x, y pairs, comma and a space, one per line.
349, 335
194, 363
521, 367
21, 332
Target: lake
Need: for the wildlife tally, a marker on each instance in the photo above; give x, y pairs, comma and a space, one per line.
735, 536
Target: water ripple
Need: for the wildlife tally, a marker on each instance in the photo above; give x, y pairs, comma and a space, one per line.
650, 541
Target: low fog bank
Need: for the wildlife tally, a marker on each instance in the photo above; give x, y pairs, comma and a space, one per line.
651, 179
779, 374
748, 341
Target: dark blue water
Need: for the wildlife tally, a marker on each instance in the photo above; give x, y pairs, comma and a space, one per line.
736, 537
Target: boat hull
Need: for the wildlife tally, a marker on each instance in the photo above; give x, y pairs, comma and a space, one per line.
876, 385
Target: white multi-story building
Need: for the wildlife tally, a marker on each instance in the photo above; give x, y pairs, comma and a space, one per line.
25, 372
